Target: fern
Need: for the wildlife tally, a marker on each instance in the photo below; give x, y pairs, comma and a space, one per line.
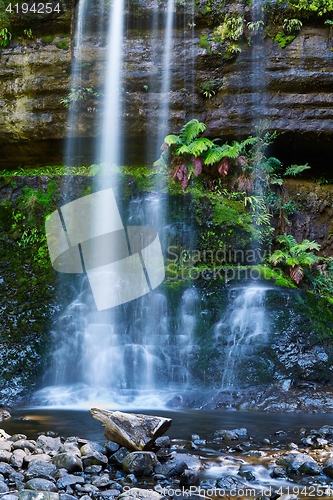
200, 145
215, 155
191, 130
172, 139
296, 169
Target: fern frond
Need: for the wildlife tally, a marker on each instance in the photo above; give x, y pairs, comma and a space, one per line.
288, 240
172, 139
306, 245
183, 150
249, 142
296, 169
191, 130
277, 257
233, 151
215, 154
200, 145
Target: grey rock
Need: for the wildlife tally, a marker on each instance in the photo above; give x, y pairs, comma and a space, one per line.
38, 457
226, 435
5, 456
310, 468
92, 446
189, 478
109, 494
37, 495
93, 469
40, 485
6, 445
111, 447
328, 467
119, 456
163, 442
48, 444
3, 487
94, 458
66, 496
69, 480
279, 472
135, 431
140, 463
131, 479
86, 488
44, 470
68, 461
17, 458
11, 496
178, 464
101, 481
6, 469
25, 444
230, 482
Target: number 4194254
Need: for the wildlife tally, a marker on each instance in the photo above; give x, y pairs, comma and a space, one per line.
35, 8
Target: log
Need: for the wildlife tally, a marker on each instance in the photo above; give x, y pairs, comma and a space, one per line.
132, 430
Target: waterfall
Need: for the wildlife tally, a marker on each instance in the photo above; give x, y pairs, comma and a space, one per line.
243, 328
166, 72
76, 80
140, 360
110, 145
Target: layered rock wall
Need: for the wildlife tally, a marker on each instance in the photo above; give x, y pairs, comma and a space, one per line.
289, 89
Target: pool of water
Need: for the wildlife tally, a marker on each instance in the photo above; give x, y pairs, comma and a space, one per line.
31, 421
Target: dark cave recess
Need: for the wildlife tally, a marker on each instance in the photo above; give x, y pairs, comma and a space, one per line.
289, 148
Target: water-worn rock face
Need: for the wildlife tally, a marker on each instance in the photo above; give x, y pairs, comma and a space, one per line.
291, 88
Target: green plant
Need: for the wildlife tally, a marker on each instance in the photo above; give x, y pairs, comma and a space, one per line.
5, 37
292, 25
28, 33
78, 94
255, 27
296, 169
204, 43
47, 39
295, 255
319, 7
231, 29
63, 45
283, 40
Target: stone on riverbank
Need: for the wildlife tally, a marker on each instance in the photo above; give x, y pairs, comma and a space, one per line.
133, 430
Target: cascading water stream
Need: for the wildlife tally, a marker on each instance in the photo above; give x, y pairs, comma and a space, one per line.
244, 327
76, 81
164, 102
110, 146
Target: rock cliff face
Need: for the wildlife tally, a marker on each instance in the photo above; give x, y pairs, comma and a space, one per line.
290, 88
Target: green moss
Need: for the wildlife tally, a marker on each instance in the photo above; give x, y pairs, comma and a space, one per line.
64, 45
283, 40
47, 39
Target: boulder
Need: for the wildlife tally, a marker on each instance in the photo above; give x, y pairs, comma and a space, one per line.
40, 484
140, 463
133, 430
68, 461
42, 495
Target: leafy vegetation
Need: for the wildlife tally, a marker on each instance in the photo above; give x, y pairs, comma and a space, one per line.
77, 95
295, 255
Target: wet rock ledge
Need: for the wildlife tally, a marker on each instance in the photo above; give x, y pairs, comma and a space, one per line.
231, 464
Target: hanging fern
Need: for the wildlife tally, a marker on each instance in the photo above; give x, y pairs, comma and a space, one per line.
172, 139
191, 130
195, 148
296, 169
